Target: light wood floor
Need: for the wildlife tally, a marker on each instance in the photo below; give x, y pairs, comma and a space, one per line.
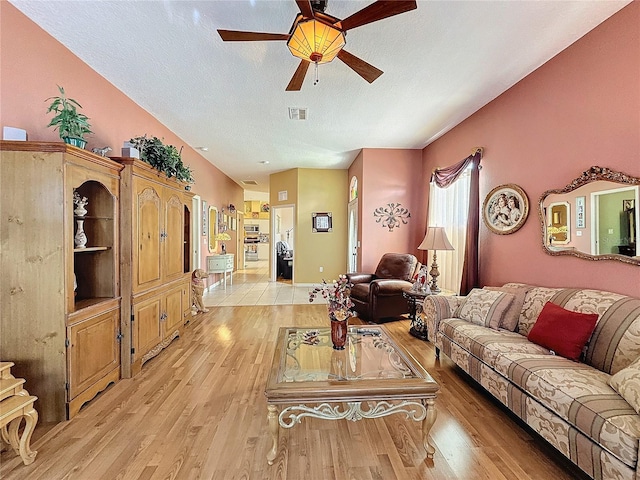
198, 411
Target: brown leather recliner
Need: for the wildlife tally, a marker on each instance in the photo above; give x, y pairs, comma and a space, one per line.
378, 297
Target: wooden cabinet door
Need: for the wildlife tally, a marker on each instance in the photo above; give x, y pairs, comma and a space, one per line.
174, 311
146, 328
187, 302
147, 227
173, 244
94, 350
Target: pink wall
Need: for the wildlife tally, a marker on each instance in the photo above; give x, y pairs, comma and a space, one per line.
33, 63
581, 108
389, 176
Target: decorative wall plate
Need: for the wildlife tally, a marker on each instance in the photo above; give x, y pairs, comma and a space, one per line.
505, 209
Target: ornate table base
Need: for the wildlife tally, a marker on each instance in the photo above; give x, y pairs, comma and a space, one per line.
371, 378
424, 411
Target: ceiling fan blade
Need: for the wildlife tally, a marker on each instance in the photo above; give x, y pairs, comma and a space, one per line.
298, 77
305, 8
235, 36
362, 68
377, 11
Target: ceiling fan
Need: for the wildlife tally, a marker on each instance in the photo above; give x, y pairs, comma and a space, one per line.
316, 37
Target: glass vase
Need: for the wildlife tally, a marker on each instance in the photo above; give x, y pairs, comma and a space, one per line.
339, 330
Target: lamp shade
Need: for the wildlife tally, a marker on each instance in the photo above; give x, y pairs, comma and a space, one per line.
435, 239
315, 41
222, 237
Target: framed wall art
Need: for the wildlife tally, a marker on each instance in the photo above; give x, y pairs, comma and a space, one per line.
205, 217
580, 220
505, 209
321, 222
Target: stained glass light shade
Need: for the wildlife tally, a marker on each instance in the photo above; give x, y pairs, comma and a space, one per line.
315, 41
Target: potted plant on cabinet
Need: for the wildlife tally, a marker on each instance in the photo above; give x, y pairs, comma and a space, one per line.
72, 125
165, 158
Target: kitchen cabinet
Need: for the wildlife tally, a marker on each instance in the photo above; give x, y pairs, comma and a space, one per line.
256, 209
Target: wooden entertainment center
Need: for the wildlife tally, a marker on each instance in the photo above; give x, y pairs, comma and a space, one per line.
67, 308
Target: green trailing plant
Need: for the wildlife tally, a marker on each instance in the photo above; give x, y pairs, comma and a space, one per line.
165, 158
67, 120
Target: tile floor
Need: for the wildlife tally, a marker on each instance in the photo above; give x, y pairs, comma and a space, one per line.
251, 286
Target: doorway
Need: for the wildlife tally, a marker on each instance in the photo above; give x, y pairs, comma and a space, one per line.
352, 253
610, 230
196, 222
282, 243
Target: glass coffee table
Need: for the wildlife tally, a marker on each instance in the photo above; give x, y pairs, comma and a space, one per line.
371, 378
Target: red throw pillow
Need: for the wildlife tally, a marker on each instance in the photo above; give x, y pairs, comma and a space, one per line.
563, 331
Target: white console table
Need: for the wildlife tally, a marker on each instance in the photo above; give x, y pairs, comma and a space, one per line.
221, 264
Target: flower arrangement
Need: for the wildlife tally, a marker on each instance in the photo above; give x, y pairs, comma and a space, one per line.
337, 294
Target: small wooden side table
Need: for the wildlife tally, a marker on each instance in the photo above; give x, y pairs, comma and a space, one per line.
418, 328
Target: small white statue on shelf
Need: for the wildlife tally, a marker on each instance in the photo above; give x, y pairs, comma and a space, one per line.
80, 203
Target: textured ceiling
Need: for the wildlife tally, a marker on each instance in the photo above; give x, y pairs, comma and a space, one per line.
442, 62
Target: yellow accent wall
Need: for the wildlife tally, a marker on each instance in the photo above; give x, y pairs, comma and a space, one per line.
315, 190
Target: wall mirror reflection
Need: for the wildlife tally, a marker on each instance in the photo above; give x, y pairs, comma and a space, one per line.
558, 223
605, 226
213, 228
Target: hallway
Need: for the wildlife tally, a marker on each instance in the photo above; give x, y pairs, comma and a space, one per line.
251, 286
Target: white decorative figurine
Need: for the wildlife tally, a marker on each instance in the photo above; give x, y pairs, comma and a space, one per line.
80, 203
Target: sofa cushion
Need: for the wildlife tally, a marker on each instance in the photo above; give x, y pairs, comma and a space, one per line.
563, 331
511, 316
534, 301
627, 383
487, 344
481, 307
580, 395
615, 342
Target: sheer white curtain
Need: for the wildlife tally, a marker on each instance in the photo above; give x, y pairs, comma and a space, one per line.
449, 208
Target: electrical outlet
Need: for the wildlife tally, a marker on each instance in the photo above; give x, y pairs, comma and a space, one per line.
321, 269
611, 231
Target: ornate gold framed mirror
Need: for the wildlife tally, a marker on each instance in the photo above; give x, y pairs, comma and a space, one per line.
594, 217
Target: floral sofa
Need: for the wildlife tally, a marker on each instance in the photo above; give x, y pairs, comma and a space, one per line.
587, 409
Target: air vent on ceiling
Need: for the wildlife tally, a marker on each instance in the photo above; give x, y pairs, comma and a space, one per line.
248, 182
296, 113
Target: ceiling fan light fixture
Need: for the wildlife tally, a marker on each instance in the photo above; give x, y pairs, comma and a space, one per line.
314, 40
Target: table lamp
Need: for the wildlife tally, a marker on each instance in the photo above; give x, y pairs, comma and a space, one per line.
435, 239
223, 237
